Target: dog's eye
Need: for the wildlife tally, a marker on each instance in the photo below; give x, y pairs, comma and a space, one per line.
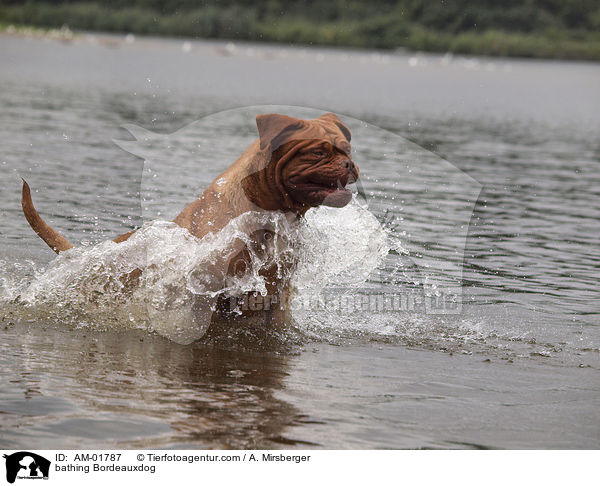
318, 153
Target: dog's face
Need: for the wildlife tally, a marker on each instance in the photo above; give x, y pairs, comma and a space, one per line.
310, 162
318, 173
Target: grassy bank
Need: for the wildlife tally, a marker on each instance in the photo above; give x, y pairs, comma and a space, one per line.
384, 26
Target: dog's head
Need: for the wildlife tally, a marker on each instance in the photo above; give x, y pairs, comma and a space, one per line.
309, 163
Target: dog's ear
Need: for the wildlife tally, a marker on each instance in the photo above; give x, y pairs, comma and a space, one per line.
332, 117
272, 128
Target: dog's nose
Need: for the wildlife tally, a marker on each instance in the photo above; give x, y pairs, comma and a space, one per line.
348, 164
352, 169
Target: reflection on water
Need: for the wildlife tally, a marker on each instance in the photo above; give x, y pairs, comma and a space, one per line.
138, 390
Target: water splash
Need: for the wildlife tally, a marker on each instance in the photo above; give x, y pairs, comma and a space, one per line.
346, 253
88, 286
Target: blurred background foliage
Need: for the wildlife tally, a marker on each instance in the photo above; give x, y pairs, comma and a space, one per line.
531, 28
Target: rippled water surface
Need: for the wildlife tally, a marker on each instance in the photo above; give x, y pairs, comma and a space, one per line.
478, 177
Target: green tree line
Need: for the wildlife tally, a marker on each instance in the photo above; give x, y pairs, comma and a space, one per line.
534, 28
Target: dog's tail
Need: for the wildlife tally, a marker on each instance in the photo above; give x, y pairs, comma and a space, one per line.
55, 241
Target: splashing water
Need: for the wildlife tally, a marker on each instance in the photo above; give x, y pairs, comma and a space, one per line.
341, 252
85, 286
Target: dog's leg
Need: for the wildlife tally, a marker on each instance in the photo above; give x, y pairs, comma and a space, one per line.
277, 315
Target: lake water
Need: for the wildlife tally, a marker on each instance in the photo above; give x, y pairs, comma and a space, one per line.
480, 177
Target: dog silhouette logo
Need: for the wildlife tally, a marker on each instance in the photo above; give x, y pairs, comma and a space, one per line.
25, 464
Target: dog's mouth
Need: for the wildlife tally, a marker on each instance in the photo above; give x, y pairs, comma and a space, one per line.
328, 185
319, 186
316, 192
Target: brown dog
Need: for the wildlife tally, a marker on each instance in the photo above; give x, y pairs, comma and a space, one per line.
293, 166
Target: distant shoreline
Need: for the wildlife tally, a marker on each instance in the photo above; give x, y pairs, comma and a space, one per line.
57, 22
